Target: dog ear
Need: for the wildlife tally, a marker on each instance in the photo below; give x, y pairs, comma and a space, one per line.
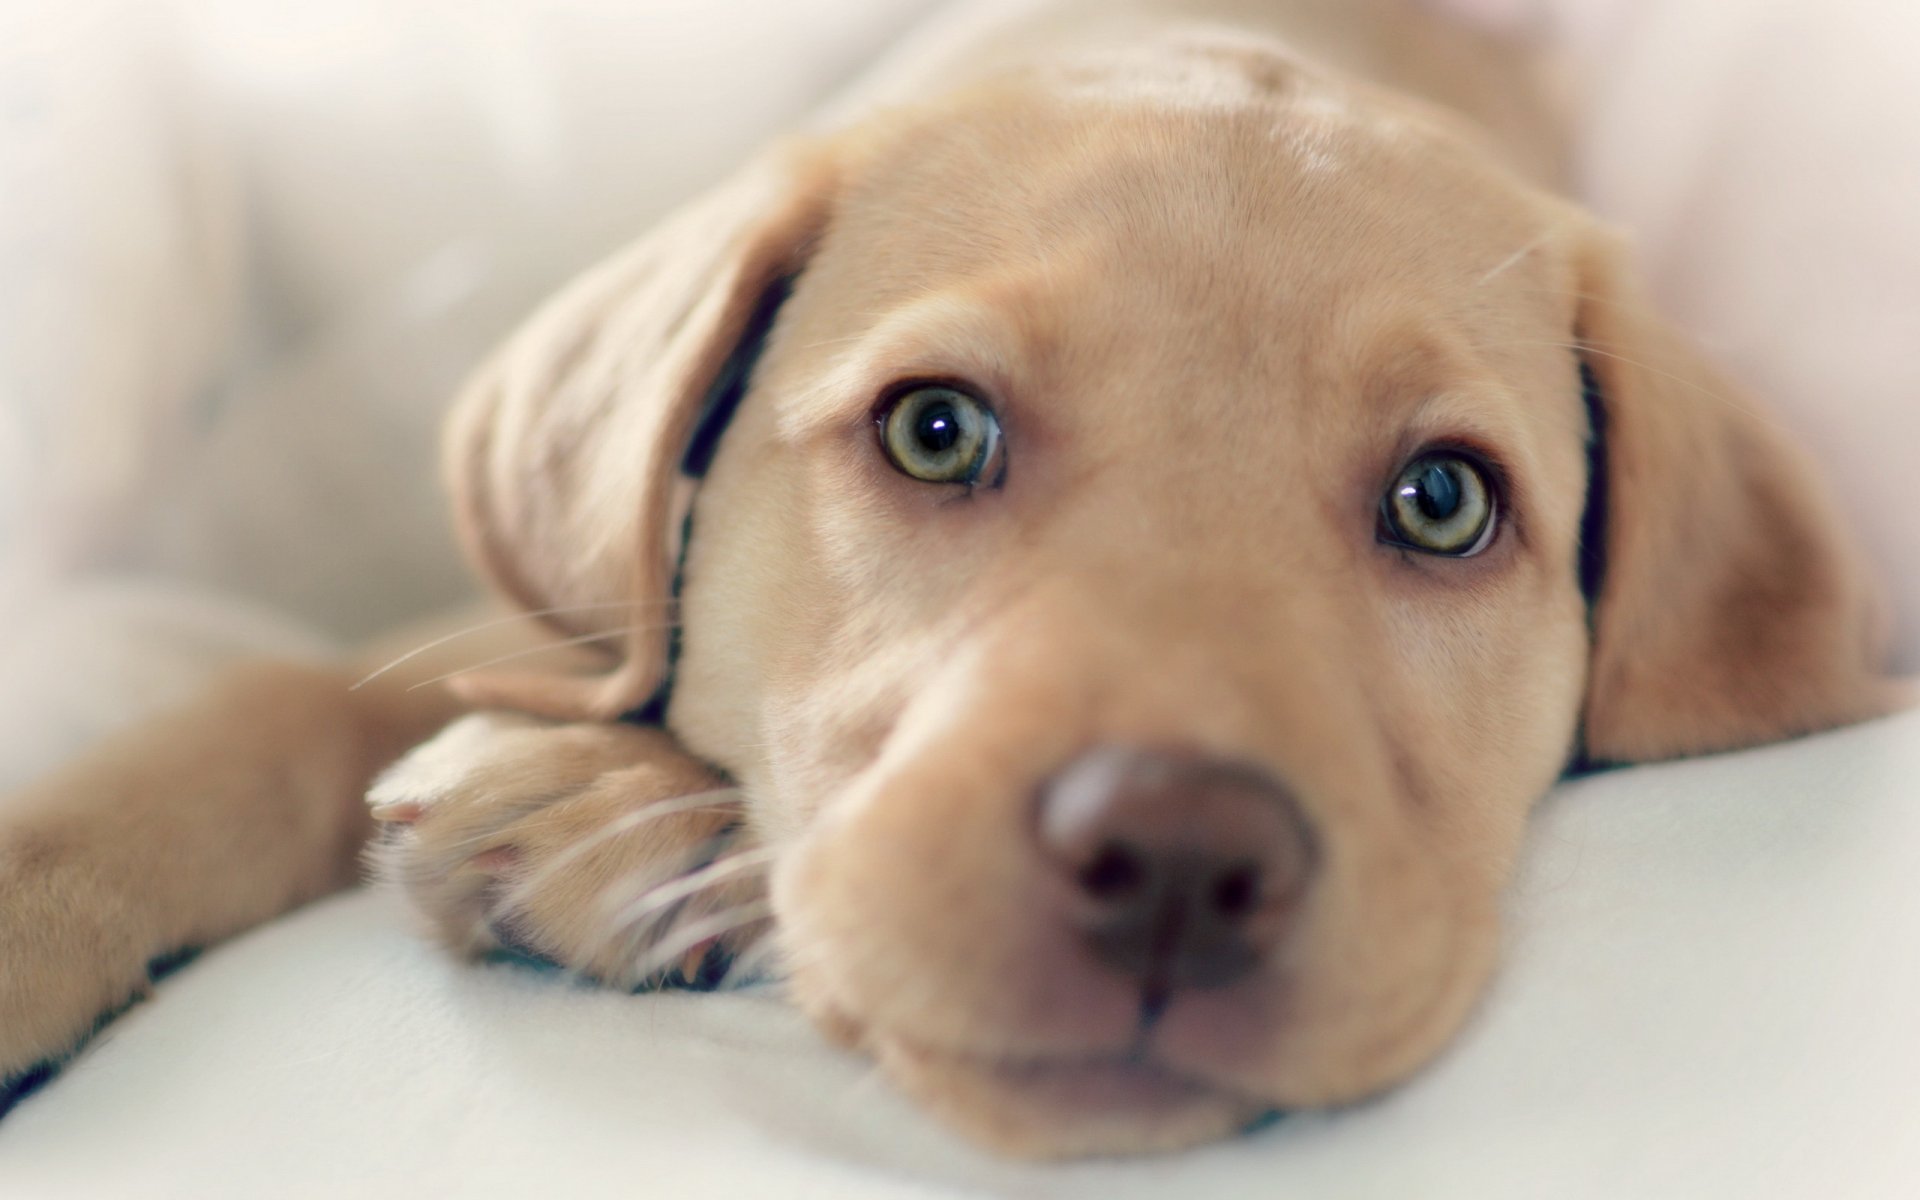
565, 453
1734, 609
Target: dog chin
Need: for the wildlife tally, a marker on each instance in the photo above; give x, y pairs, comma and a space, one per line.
1070, 1107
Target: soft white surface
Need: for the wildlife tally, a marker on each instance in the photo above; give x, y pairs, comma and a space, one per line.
79, 661
247, 250
244, 257
1711, 991
1766, 156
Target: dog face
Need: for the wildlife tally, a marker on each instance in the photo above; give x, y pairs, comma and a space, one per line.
1141, 589
1209, 371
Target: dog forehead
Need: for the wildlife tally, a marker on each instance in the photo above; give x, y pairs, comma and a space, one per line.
1098, 240
1304, 181
1124, 240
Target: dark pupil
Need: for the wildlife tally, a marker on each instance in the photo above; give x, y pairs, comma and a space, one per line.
937, 428
1437, 491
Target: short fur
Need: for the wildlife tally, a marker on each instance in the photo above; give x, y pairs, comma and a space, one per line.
1221, 267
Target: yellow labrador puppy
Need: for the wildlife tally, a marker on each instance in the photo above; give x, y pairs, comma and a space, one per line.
1098, 546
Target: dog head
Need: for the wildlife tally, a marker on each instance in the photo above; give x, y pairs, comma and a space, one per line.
1160, 547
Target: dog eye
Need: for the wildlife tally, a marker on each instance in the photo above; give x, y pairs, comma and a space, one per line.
1440, 503
941, 435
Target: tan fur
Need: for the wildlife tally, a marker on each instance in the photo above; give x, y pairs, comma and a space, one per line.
1750, 620
505, 831
1221, 270
184, 831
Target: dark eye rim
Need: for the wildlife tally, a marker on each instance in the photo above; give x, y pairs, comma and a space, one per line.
890, 398
1491, 476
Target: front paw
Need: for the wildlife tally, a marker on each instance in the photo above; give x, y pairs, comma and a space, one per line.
72, 953
604, 848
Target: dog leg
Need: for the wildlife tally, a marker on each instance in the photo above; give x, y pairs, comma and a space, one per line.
180, 832
604, 848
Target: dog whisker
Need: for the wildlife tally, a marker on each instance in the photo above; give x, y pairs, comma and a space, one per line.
536, 614
709, 929
507, 904
1638, 310
663, 895
759, 961
1512, 260
625, 823
1691, 385
633, 927
581, 640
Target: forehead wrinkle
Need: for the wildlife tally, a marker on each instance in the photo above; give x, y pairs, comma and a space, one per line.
1484, 412
1428, 364
955, 332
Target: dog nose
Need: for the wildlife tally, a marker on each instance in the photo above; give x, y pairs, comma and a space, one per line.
1185, 870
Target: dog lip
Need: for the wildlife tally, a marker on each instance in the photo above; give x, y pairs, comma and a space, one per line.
1120, 1083
1125, 1080
1074, 1104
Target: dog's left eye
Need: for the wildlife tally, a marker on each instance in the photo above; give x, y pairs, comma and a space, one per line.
1440, 503
941, 434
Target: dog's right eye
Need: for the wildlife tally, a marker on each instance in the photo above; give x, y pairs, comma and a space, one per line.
1441, 503
940, 434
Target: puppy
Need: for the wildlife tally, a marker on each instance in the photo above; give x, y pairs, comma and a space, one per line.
1096, 547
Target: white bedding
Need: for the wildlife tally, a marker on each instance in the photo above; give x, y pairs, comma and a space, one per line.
1711, 990
210, 432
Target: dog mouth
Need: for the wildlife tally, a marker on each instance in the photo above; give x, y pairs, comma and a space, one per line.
1123, 1103
1114, 1085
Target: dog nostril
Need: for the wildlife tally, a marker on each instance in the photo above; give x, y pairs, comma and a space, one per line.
1237, 893
1115, 873
1188, 870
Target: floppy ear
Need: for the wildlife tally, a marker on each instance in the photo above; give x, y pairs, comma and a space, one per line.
565, 454
1734, 608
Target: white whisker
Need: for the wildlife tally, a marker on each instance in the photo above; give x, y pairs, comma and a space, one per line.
1512, 260
582, 640
713, 928
746, 965
662, 896
1683, 381
486, 625
625, 823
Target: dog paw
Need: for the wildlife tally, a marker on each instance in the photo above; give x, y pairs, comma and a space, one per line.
72, 953
604, 848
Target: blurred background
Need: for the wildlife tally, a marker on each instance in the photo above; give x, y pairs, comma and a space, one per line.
249, 250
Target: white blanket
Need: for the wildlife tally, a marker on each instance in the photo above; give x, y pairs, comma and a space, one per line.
1710, 992
248, 250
